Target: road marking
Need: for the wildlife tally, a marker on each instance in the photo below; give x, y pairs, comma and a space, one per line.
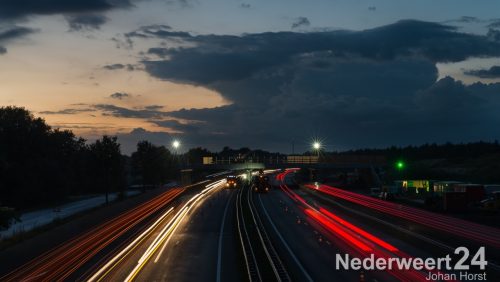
219, 250
308, 277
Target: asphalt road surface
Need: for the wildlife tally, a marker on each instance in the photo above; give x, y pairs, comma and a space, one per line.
209, 232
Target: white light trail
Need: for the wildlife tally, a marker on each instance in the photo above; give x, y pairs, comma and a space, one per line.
167, 232
129, 246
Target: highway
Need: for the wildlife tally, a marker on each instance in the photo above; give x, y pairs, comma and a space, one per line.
387, 229
208, 232
61, 262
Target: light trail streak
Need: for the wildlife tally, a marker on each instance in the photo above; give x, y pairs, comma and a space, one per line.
164, 236
336, 230
116, 259
62, 261
462, 228
353, 235
360, 231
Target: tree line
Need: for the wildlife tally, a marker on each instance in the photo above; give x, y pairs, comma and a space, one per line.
447, 150
471, 162
41, 166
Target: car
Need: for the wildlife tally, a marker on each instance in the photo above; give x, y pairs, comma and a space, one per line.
232, 181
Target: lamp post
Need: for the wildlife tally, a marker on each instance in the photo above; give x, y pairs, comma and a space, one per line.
316, 146
175, 145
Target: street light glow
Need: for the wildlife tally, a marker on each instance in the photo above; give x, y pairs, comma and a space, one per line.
316, 145
176, 144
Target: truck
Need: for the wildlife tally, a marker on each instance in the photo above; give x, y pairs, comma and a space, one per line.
260, 183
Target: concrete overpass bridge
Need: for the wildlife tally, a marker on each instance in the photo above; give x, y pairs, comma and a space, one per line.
256, 166
369, 171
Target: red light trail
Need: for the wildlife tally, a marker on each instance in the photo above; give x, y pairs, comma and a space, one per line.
358, 238
469, 230
62, 261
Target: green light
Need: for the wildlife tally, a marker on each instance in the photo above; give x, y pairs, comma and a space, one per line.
400, 165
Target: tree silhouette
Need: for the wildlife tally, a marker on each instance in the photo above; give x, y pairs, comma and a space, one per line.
108, 164
195, 155
153, 164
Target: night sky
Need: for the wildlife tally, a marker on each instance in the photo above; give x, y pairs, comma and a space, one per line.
261, 74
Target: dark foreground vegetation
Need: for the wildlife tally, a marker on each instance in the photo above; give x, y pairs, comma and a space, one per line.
40, 165
473, 162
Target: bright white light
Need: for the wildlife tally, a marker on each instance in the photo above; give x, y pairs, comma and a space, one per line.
163, 238
176, 144
316, 145
134, 243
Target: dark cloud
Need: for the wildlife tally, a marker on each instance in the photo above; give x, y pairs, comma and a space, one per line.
178, 126
375, 87
468, 19
452, 111
301, 22
494, 24
215, 66
156, 31
86, 21
447, 96
9, 33
78, 125
13, 32
159, 51
365, 92
445, 111
150, 112
493, 72
128, 67
70, 111
128, 141
114, 67
14, 9
153, 107
493, 35
150, 31
123, 43
116, 111
119, 95
231, 58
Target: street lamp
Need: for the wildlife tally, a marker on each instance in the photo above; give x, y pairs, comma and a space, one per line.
176, 144
316, 146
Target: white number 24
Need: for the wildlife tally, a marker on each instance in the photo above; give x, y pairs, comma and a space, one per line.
478, 259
